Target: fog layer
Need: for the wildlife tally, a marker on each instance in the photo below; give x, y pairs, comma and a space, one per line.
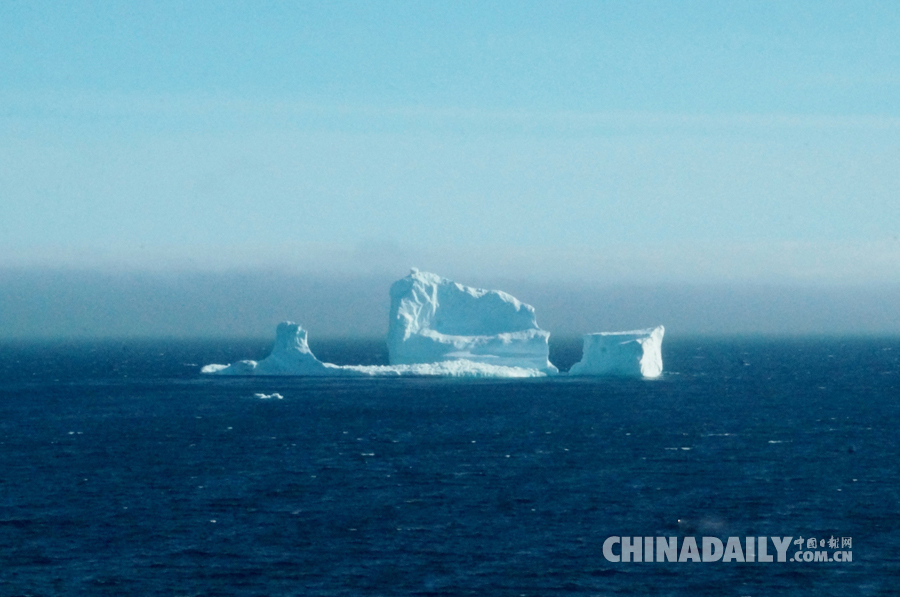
47, 303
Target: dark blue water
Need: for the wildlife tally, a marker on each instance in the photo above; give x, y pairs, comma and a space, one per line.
123, 472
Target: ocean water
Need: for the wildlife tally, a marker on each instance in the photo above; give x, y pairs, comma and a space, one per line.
125, 472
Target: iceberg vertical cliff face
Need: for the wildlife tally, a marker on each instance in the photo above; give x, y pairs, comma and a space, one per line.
434, 319
634, 353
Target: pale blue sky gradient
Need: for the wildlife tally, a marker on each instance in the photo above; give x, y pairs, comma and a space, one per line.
605, 142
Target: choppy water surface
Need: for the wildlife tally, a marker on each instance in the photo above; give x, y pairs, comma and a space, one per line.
123, 472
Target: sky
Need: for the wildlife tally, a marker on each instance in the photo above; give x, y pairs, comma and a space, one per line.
569, 144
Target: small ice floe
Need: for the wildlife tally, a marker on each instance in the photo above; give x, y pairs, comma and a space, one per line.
268, 396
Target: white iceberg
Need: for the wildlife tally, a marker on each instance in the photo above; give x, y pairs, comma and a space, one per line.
434, 319
290, 356
634, 353
441, 328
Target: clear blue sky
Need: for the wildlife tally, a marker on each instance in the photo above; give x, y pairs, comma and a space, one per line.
592, 141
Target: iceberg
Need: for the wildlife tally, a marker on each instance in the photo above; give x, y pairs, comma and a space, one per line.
441, 328
290, 356
634, 353
434, 319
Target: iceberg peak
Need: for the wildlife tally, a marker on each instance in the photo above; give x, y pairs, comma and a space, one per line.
434, 319
291, 336
290, 356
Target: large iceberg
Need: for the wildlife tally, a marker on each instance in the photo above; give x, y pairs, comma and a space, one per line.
634, 353
441, 328
434, 319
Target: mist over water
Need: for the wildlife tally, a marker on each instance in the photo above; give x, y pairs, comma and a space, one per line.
65, 303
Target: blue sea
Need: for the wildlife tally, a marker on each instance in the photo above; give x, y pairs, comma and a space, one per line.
123, 471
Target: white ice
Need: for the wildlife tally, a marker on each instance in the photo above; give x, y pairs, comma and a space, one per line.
441, 328
434, 319
636, 353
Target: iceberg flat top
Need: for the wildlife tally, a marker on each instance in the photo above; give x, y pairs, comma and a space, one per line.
424, 301
630, 333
